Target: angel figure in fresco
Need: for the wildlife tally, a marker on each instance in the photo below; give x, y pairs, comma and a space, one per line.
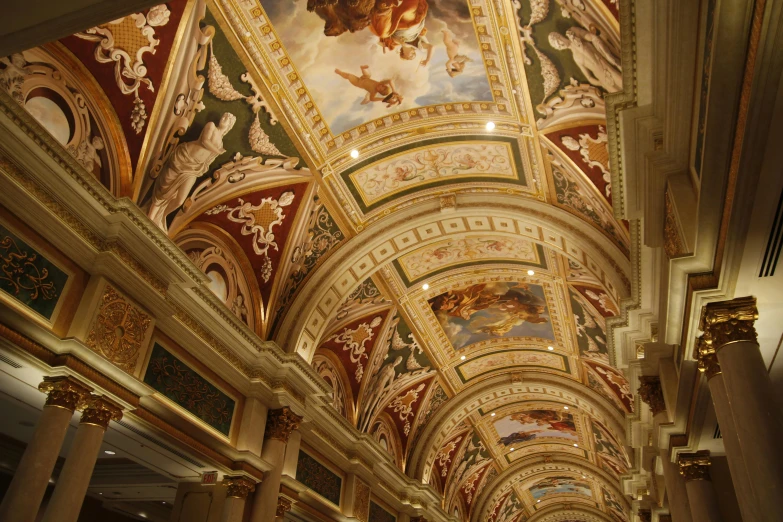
592, 55
187, 162
464, 303
553, 420
456, 63
382, 91
400, 23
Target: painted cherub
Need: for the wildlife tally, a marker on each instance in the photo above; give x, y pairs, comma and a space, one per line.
382, 91
456, 63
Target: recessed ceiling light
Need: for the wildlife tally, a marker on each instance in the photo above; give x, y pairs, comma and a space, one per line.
490, 125
531, 272
512, 449
100, 493
565, 407
538, 501
492, 414
550, 348
425, 286
583, 476
109, 452
354, 153
143, 515
462, 358
576, 445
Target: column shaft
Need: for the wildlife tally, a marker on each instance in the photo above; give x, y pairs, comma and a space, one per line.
72, 484
734, 451
233, 509
28, 486
265, 500
703, 501
757, 422
675, 490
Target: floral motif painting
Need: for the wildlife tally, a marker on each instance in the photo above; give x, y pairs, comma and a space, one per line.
373, 58
473, 159
560, 485
536, 424
492, 311
458, 252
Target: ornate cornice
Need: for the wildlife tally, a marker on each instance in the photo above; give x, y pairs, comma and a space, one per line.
284, 505
729, 322
64, 392
695, 466
238, 486
98, 411
651, 394
280, 423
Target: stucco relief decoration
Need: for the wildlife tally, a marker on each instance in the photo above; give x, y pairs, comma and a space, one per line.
365, 294
444, 455
594, 152
220, 86
403, 405
467, 159
258, 221
466, 250
361, 501
354, 341
331, 375
118, 330
125, 41
22, 274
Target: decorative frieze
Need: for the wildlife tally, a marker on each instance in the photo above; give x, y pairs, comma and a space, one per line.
695, 466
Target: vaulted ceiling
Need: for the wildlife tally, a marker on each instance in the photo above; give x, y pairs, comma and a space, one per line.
413, 195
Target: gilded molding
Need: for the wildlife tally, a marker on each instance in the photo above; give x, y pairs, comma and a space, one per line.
98, 411
673, 245
64, 392
280, 423
238, 486
361, 501
651, 394
729, 322
695, 466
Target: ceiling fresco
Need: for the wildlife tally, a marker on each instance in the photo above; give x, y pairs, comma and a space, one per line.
413, 195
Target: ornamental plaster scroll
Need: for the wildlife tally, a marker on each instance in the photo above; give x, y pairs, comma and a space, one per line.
359, 258
573, 104
87, 132
534, 468
264, 47
499, 392
124, 41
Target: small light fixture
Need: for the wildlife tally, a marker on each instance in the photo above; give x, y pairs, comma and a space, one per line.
511, 449
425, 286
565, 407
538, 501
576, 445
109, 452
531, 272
550, 348
583, 476
100, 493
462, 358
354, 153
143, 515
492, 414
490, 125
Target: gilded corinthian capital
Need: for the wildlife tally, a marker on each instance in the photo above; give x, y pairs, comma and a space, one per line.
63, 392
695, 466
238, 487
98, 411
651, 394
280, 423
726, 322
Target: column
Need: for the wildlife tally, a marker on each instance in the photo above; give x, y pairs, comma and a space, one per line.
71, 488
750, 410
695, 467
238, 489
292, 454
28, 486
279, 425
651, 393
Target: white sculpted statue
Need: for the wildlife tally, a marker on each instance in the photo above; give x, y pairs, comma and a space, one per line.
593, 56
188, 161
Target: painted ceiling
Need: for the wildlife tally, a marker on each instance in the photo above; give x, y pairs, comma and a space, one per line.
414, 195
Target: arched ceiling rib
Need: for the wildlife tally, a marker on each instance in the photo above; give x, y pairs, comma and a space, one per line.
450, 282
